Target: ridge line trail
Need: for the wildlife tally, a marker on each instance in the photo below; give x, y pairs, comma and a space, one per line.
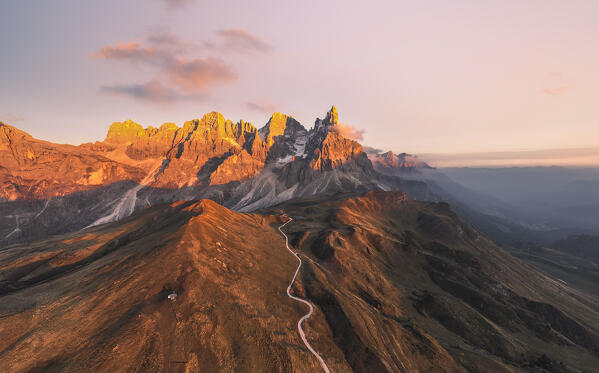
306, 316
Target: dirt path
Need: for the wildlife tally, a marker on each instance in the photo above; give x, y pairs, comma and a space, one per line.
306, 316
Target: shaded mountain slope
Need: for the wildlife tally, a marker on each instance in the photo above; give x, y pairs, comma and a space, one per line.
507, 222
415, 269
398, 286
98, 300
582, 246
547, 198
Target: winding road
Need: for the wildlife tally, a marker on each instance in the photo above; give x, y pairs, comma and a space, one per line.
306, 316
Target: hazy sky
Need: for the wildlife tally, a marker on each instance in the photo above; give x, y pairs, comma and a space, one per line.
415, 76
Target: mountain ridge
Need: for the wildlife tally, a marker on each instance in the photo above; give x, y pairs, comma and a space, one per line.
199, 146
212, 157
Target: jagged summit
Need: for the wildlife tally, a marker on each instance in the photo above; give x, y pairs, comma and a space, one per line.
390, 163
390, 158
213, 123
212, 150
233, 163
332, 117
277, 125
330, 120
327, 149
122, 132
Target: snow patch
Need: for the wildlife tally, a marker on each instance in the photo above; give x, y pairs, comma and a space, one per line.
284, 160
44, 208
299, 146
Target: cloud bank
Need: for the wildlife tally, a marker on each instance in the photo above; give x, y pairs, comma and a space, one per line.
11, 118
557, 91
587, 156
261, 107
152, 91
243, 41
348, 131
198, 74
178, 75
133, 52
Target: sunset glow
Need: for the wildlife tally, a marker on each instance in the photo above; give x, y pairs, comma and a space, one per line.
437, 77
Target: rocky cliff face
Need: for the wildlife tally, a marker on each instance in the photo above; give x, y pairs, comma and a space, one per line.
201, 147
142, 143
35, 169
336, 151
192, 153
278, 125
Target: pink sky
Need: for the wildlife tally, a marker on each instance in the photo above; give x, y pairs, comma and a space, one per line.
430, 77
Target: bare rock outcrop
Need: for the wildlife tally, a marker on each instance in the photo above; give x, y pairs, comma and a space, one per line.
35, 169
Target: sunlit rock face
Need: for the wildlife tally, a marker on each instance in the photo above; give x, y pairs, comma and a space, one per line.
142, 143
127, 131
335, 151
284, 137
35, 169
196, 150
332, 117
238, 167
200, 147
328, 149
278, 125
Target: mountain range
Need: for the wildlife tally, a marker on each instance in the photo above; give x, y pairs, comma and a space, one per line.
44, 185
168, 249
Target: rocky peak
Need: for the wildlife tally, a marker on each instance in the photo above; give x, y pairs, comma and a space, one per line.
388, 162
389, 155
124, 132
37, 169
327, 149
213, 125
166, 132
406, 160
10, 134
201, 147
279, 124
15, 149
389, 159
214, 121
168, 127
332, 117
